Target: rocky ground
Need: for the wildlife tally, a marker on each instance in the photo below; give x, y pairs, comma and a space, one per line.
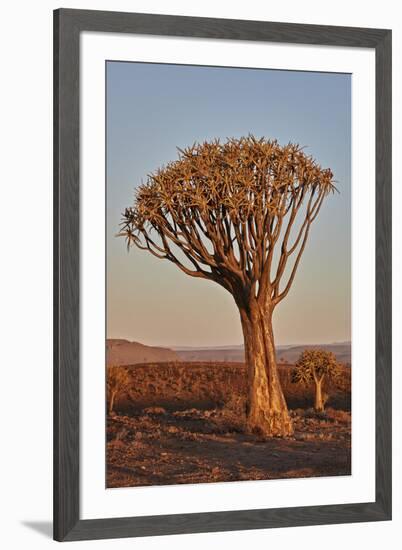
162, 447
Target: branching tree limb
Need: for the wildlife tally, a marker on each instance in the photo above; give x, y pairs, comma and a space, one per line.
238, 213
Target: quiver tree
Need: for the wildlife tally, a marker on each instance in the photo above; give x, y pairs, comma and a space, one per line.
316, 365
239, 214
117, 382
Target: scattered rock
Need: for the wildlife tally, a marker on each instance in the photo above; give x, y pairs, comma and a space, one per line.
154, 410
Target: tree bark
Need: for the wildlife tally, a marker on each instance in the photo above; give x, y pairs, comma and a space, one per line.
267, 412
111, 402
319, 405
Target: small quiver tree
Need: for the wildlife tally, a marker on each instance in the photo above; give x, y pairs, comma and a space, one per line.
238, 214
117, 382
316, 365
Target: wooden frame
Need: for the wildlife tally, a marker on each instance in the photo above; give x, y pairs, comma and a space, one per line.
68, 24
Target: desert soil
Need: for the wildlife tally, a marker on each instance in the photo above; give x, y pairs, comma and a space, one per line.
162, 447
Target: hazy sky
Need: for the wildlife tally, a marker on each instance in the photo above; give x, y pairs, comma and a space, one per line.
154, 108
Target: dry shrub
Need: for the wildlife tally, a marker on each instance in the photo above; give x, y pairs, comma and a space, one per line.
117, 383
233, 413
343, 417
235, 404
213, 385
154, 410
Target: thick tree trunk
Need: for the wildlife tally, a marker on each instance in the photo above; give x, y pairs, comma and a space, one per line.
267, 411
319, 405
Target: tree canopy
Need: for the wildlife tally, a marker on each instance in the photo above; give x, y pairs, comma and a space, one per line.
220, 209
315, 365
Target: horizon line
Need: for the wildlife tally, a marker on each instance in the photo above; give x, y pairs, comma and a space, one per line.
228, 346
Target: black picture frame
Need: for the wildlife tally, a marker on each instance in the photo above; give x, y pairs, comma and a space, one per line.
68, 24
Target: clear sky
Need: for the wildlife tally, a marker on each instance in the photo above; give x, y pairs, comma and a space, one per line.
154, 108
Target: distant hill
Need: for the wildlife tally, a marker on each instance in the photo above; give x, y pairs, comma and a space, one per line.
285, 354
342, 351
229, 355
123, 352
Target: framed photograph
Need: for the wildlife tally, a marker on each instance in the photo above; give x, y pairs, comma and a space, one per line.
222, 275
